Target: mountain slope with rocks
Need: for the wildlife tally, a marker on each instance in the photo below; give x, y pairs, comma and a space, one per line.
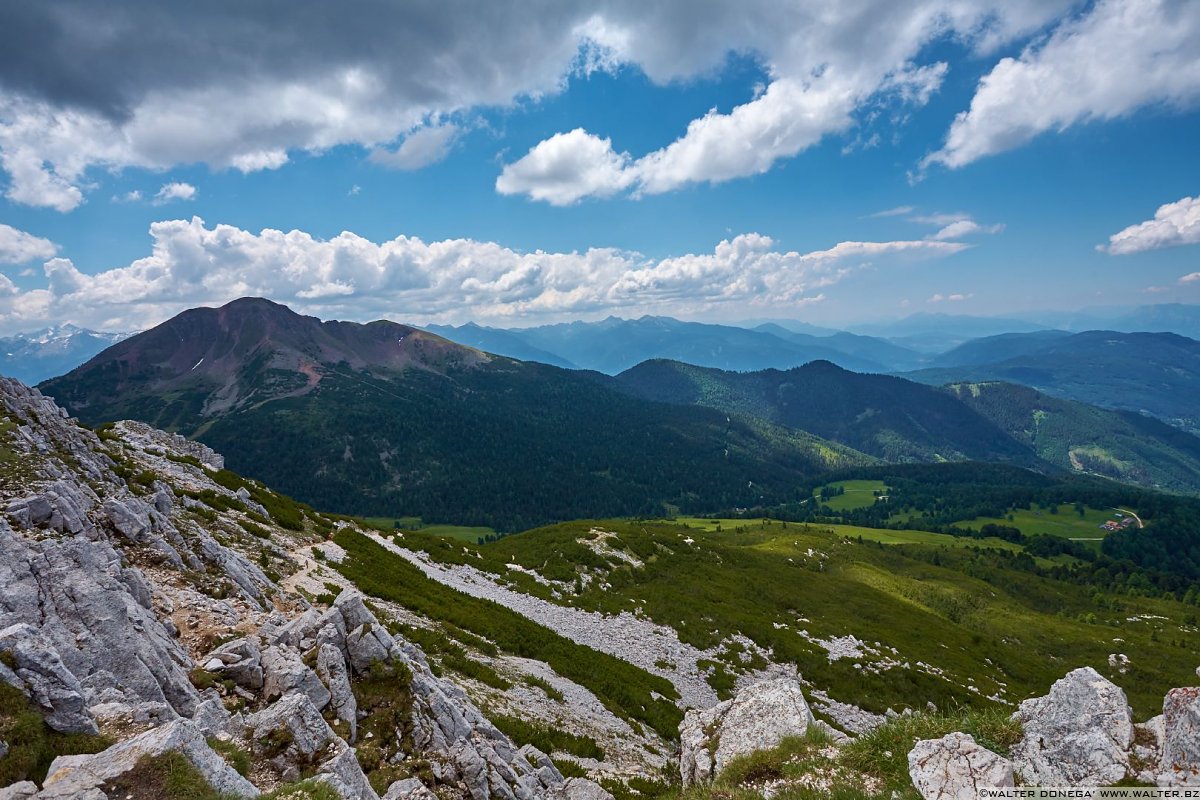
137, 626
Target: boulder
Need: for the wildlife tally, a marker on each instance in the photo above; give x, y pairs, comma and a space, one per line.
757, 718
284, 672
1079, 734
239, 660
45, 679
579, 789
292, 724
409, 789
331, 668
19, 791
344, 775
955, 767
1180, 760
79, 776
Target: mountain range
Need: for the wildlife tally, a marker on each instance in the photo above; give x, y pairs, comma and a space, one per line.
1151, 373
389, 420
33, 357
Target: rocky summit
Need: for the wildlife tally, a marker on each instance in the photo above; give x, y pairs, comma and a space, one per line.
166, 623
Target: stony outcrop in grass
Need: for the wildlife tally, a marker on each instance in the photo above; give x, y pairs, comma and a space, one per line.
141, 608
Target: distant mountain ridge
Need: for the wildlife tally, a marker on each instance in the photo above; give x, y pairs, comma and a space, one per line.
898, 420
33, 357
1152, 373
614, 344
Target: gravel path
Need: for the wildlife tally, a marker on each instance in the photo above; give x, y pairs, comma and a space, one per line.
629, 638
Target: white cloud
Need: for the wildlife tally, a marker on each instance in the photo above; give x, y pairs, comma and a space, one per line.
419, 149
898, 211
957, 297
1174, 224
1115, 58
567, 167
132, 196
19, 247
1191, 277
170, 192
405, 278
354, 191
965, 227
317, 81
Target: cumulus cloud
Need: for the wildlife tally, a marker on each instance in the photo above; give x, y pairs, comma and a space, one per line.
1191, 277
567, 167
170, 192
1115, 58
1174, 224
151, 86
351, 277
419, 149
19, 247
957, 297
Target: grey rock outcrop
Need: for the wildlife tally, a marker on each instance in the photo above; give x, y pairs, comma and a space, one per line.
285, 672
76, 776
345, 776
1180, 748
239, 660
955, 767
22, 790
40, 674
331, 668
580, 789
757, 718
293, 724
409, 789
1079, 734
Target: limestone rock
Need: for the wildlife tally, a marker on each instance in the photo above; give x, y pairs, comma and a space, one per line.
239, 660
293, 721
45, 679
409, 789
19, 791
580, 789
75, 776
284, 672
955, 767
1077, 735
756, 718
1180, 764
345, 776
331, 668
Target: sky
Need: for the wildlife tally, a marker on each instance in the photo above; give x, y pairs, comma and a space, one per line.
830, 161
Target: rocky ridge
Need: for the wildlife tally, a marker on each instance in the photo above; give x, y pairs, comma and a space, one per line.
141, 601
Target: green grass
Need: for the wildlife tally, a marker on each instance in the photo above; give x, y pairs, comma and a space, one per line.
32, 744
623, 689
951, 602
874, 765
859, 494
1066, 523
547, 738
466, 533
170, 776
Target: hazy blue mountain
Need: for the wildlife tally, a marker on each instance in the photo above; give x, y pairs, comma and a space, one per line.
1153, 373
33, 357
499, 341
872, 348
613, 344
936, 333
990, 349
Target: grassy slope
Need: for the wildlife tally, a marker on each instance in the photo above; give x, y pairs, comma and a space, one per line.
970, 605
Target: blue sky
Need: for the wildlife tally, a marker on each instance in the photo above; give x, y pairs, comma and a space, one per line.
602, 175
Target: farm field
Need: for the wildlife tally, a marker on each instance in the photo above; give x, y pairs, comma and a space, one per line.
1066, 523
859, 494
